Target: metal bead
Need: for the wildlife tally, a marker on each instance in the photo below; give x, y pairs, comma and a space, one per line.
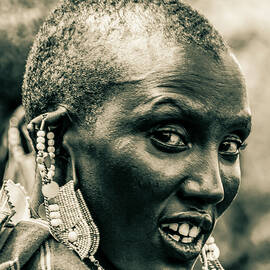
50, 190
40, 160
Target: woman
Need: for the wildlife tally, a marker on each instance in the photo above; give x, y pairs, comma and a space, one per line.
141, 105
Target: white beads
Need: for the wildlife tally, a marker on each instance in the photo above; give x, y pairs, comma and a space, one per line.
50, 135
52, 155
41, 140
54, 215
41, 133
51, 149
51, 142
56, 222
53, 207
210, 240
72, 236
45, 159
92, 258
50, 174
50, 188
42, 174
41, 167
40, 146
212, 250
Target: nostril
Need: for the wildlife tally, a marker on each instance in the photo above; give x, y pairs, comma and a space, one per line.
201, 192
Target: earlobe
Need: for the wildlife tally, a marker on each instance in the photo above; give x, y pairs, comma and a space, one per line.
71, 173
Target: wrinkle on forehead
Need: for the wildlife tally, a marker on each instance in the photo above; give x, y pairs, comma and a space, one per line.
201, 77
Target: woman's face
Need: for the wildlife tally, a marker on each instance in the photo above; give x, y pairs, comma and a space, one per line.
162, 163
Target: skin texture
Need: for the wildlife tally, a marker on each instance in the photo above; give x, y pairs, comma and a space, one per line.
160, 111
166, 146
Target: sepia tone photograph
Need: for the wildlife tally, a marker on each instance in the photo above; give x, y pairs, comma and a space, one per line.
134, 134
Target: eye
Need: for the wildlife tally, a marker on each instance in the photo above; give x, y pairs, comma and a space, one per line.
169, 139
231, 147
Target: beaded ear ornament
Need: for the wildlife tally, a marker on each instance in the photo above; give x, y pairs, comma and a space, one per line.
209, 256
70, 221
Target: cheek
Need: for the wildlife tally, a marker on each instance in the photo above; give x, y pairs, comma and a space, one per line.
231, 177
136, 165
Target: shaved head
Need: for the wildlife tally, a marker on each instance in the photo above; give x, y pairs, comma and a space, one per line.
87, 49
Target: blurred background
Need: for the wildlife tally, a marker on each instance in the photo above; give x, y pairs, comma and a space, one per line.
243, 234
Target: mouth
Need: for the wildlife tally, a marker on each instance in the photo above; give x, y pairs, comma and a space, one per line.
184, 235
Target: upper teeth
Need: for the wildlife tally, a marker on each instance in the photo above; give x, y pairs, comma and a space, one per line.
194, 231
173, 227
183, 229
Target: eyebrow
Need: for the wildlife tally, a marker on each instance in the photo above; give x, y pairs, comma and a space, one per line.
192, 113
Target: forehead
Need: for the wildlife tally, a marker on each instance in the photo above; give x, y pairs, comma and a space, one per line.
204, 82
192, 83
214, 85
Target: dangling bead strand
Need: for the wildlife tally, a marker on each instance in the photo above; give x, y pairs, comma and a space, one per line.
46, 165
209, 256
95, 262
41, 153
50, 190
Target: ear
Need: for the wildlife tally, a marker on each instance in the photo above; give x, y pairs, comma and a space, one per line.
59, 122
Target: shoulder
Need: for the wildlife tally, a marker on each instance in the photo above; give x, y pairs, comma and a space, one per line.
19, 243
29, 245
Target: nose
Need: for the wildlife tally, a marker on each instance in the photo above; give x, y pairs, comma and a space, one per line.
203, 183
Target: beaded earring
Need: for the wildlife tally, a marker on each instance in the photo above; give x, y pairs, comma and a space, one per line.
70, 221
209, 256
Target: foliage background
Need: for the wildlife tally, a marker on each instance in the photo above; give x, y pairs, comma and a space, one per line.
243, 234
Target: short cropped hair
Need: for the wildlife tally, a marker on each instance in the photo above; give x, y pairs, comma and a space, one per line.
71, 61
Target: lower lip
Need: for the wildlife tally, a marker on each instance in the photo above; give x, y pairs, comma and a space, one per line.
182, 251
